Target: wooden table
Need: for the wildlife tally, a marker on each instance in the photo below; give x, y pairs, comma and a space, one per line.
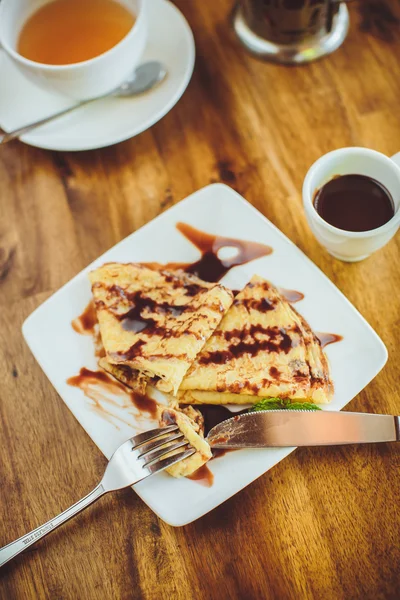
324, 523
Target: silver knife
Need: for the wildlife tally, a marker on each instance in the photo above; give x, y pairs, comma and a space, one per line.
261, 429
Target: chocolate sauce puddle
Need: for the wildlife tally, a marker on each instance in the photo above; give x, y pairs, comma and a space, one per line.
291, 296
328, 338
210, 267
213, 415
86, 322
144, 404
203, 476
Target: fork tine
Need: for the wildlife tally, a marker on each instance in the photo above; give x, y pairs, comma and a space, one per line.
147, 436
156, 454
164, 463
158, 442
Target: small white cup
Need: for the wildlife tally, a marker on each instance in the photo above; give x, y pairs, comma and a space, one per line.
352, 246
84, 80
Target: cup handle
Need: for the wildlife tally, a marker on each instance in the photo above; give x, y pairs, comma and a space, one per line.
396, 158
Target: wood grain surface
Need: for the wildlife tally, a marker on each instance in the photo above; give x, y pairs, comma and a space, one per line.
322, 524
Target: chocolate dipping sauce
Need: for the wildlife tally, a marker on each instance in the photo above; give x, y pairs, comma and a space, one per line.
354, 203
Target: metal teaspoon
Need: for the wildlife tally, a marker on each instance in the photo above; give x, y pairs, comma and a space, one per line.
142, 79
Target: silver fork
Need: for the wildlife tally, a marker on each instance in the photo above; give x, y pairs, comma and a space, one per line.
138, 458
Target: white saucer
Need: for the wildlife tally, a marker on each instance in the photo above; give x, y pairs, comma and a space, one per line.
107, 121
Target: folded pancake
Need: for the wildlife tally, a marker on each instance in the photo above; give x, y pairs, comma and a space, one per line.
262, 349
191, 423
155, 322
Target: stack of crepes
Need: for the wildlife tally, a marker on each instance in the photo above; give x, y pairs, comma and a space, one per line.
197, 343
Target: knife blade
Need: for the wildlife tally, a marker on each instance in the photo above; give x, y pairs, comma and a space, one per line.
283, 428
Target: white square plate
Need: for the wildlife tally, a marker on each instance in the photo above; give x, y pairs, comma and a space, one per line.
62, 352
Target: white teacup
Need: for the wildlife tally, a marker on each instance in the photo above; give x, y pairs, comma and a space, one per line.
83, 80
352, 246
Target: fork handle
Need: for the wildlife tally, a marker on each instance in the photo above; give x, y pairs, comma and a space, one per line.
14, 548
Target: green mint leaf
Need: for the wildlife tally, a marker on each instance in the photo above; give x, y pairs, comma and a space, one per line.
268, 404
302, 406
282, 404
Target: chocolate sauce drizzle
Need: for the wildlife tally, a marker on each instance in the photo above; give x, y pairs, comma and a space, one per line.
108, 397
277, 340
134, 319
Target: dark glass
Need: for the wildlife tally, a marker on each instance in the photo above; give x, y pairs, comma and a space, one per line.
289, 21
